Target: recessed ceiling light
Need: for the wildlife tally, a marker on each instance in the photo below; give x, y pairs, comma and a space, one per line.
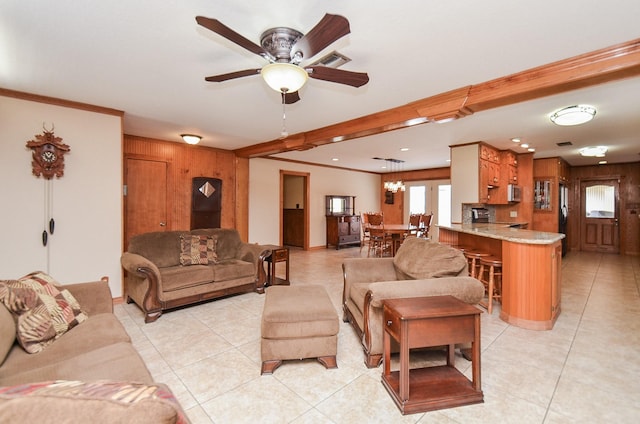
404, 149
524, 145
531, 149
573, 115
602, 162
335, 159
597, 151
516, 140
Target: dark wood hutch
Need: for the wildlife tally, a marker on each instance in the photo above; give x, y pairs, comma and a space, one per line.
343, 225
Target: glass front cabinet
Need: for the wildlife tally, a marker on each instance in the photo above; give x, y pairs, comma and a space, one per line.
343, 226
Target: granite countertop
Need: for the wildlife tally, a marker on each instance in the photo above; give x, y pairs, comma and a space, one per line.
505, 232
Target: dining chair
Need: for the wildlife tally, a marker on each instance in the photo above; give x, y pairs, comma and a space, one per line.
379, 240
425, 225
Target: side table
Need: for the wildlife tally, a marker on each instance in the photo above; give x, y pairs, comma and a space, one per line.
425, 322
278, 254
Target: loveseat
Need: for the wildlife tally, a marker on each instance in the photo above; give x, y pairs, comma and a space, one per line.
420, 268
165, 270
90, 372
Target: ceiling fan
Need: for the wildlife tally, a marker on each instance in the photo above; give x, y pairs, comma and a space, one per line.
285, 49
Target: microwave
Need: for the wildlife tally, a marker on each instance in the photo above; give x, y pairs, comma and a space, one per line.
514, 193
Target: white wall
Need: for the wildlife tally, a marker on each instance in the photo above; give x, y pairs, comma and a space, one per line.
264, 197
87, 201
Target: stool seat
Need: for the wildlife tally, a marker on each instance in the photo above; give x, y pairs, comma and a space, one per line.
474, 256
493, 281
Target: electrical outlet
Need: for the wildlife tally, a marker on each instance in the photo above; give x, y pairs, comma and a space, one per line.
513, 214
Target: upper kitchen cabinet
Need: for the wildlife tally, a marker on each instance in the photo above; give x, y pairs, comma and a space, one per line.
480, 173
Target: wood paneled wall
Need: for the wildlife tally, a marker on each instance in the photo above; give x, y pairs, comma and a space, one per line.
629, 174
186, 162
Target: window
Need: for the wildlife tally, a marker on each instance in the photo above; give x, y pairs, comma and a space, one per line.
417, 199
600, 201
444, 204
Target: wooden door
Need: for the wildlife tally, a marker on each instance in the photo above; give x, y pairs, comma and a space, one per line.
599, 217
145, 197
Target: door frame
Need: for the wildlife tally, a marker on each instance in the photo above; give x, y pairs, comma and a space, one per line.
307, 177
581, 207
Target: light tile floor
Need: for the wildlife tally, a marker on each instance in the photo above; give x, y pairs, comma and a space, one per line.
585, 370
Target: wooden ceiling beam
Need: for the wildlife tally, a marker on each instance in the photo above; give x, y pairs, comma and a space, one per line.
597, 67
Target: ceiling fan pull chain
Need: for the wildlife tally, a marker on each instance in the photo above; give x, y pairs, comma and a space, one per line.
284, 132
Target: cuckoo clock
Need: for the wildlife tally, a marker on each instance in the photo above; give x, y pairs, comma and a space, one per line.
48, 155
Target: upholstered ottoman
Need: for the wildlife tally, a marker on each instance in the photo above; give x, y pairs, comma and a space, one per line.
298, 322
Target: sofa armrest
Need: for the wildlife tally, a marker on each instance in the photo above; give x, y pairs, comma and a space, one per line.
366, 270
144, 270
93, 297
133, 262
250, 252
467, 289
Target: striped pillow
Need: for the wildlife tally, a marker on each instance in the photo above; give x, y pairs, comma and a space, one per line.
41, 310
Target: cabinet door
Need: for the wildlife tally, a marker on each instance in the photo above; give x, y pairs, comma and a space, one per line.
512, 174
343, 228
354, 227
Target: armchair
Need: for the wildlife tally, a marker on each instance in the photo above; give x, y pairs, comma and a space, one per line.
420, 268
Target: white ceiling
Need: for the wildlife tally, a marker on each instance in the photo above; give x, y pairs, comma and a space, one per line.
149, 59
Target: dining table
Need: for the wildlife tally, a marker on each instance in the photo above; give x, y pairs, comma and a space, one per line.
397, 232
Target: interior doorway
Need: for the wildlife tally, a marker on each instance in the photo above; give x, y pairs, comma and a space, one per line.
294, 209
599, 215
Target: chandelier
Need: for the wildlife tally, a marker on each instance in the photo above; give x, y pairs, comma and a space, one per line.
393, 182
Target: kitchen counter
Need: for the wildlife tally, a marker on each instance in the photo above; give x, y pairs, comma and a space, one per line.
505, 231
531, 266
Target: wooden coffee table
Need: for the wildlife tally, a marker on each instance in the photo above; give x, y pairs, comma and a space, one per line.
425, 322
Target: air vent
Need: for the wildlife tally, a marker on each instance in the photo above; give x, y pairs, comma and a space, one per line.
564, 143
389, 160
332, 60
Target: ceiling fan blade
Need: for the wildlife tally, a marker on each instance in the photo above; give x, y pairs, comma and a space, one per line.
223, 30
354, 79
290, 98
232, 75
329, 29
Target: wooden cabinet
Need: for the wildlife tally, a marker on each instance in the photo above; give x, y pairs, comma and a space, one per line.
343, 230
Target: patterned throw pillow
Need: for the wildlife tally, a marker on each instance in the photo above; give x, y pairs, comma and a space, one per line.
42, 311
198, 250
94, 401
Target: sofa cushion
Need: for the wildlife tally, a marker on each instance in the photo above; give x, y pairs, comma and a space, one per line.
232, 269
419, 258
7, 332
197, 250
98, 331
90, 402
43, 312
117, 361
180, 277
160, 247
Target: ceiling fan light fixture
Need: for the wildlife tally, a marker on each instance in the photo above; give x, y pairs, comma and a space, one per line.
573, 115
284, 77
191, 138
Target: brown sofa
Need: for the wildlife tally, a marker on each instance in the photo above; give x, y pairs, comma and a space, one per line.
77, 378
420, 268
156, 281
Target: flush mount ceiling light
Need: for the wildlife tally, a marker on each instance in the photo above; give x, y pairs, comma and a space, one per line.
191, 138
284, 77
573, 115
597, 151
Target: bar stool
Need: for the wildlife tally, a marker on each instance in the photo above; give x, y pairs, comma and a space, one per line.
493, 282
473, 257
